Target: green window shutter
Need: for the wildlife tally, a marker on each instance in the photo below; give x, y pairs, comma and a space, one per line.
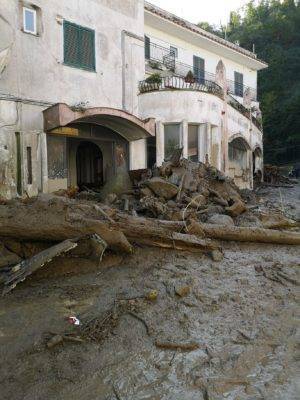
147, 48
79, 46
87, 46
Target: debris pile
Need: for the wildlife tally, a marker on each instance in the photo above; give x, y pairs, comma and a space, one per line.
181, 205
273, 176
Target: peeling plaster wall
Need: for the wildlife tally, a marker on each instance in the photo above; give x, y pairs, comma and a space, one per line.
31, 67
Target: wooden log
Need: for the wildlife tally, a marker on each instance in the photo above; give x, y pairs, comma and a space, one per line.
52, 222
244, 234
165, 238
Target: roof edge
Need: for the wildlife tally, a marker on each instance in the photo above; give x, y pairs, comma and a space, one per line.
196, 29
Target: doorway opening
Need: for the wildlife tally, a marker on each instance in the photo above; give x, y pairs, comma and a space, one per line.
89, 164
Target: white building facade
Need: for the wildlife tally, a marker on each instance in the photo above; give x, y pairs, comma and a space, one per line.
77, 98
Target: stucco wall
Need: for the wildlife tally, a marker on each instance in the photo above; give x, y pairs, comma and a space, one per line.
32, 68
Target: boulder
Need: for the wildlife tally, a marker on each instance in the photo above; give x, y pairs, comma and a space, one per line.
220, 219
162, 188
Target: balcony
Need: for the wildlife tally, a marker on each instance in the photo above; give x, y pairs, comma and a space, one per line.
197, 84
163, 59
177, 82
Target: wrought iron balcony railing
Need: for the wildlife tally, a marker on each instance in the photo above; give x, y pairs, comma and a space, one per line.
160, 58
201, 85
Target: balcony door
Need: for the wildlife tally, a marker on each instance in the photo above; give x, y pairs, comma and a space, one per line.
199, 69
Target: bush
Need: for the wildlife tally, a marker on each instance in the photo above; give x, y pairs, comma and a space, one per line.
154, 78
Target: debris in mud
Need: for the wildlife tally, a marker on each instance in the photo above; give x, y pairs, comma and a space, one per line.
181, 205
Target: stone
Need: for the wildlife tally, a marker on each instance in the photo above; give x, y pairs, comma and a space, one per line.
182, 291
162, 188
220, 219
237, 208
198, 200
214, 210
145, 191
217, 255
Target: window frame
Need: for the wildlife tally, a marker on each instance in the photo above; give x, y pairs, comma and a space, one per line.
174, 50
79, 65
33, 11
197, 125
179, 124
238, 85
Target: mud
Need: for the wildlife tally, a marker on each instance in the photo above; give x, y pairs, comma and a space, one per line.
242, 313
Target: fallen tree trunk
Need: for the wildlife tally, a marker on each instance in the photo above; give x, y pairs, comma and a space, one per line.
244, 234
57, 222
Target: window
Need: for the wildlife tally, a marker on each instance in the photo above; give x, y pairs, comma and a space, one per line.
29, 20
199, 69
147, 48
172, 139
79, 46
238, 84
174, 51
29, 165
193, 142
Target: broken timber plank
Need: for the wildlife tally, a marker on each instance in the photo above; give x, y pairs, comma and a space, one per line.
25, 268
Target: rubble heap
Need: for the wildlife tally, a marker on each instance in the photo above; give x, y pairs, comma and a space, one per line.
181, 205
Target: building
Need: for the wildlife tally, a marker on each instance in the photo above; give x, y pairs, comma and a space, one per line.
86, 92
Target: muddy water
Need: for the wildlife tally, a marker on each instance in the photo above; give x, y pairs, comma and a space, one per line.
244, 322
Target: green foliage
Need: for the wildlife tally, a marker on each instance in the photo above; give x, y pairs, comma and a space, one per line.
154, 78
273, 27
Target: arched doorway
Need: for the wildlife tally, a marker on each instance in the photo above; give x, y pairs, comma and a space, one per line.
239, 163
89, 165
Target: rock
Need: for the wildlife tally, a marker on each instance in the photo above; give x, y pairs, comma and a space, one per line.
217, 255
215, 210
154, 205
172, 204
237, 208
248, 220
162, 188
146, 192
198, 200
220, 219
182, 291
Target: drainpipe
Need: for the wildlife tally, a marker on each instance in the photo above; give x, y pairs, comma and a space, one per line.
125, 34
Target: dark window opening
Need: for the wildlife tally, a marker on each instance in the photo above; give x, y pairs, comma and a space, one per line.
19, 163
29, 165
238, 84
199, 69
79, 46
193, 142
174, 51
147, 48
151, 152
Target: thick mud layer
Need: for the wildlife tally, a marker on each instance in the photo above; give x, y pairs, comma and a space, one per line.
241, 313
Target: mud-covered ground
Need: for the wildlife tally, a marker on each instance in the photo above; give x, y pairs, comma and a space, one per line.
241, 312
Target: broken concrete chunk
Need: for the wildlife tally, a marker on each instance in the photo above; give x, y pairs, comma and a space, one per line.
220, 219
145, 191
162, 188
237, 208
